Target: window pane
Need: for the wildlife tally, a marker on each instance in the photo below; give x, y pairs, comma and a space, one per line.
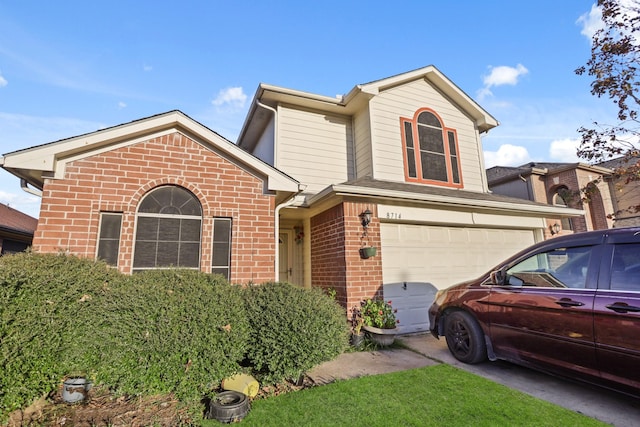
427, 118
559, 268
167, 254
430, 139
110, 226
221, 259
108, 251
220, 253
411, 154
169, 230
109, 237
434, 167
452, 143
147, 228
625, 267
408, 134
190, 230
454, 170
189, 255
145, 256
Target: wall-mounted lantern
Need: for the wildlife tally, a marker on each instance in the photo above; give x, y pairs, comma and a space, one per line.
365, 218
555, 228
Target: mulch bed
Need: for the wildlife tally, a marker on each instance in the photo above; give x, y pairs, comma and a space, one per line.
103, 409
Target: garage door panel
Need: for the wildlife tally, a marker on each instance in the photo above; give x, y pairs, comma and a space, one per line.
439, 256
410, 299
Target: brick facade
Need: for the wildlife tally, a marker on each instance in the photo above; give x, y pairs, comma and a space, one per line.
336, 238
116, 181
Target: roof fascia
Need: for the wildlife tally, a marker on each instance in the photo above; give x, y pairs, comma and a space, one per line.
51, 158
355, 191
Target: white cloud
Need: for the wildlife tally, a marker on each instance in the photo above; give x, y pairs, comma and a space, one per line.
501, 75
591, 22
564, 150
147, 67
232, 96
507, 155
122, 105
3, 81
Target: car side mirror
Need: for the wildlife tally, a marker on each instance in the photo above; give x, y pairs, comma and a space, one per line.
497, 277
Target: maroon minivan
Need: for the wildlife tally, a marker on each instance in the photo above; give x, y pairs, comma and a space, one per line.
569, 305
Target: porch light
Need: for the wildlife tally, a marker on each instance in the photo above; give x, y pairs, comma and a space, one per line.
365, 218
555, 228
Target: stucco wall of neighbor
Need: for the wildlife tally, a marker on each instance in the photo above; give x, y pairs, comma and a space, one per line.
335, 257
116, 181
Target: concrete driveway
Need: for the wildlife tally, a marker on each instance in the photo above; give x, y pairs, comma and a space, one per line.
424, 350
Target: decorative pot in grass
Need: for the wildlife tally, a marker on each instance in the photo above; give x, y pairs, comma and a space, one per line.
74, 389
380, 321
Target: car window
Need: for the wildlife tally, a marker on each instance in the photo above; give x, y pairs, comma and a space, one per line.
625, 267
558, 268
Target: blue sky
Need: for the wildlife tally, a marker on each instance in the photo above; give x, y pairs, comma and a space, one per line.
72, 67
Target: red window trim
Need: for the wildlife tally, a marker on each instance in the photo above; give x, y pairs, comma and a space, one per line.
416, 151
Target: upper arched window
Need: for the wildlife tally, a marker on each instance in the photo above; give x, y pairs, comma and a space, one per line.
168, 230
430, 150
560, 198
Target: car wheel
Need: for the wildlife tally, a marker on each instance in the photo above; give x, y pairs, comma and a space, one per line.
228, 406
465, 338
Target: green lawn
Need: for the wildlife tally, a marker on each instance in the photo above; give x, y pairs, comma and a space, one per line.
438, 395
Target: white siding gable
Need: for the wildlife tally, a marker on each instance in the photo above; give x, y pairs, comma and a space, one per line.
403, 101
264, 147
314, 148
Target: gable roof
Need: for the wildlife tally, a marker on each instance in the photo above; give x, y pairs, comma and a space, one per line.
33, 165
425, 194
14, 221
356, 99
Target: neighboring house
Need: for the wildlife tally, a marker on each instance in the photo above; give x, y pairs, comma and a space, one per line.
559, 184
287, 202
16, 230
626, 195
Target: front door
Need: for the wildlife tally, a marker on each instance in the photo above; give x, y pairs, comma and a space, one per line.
285, 268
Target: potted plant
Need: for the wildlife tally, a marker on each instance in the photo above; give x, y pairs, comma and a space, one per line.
357, 322
379, 320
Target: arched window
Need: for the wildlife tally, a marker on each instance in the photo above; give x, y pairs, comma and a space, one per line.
430, 150
560, 199
168, 230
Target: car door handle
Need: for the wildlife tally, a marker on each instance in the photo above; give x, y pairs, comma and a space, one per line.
568, 302
620, 307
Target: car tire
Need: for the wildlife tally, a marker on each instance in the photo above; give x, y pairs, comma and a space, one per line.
228, 407
465, 338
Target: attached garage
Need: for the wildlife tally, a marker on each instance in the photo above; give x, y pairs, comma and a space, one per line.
444, 255
418, 258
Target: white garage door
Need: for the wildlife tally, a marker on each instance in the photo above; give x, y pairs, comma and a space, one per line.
441, 256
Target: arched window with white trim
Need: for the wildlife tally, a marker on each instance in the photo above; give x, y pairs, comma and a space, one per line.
168, 230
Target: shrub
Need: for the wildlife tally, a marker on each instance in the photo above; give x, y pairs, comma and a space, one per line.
47, 322
189, 331
165, 331
292, 330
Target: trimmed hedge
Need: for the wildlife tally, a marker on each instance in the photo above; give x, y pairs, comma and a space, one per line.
174, 331
169, 331
292, 330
